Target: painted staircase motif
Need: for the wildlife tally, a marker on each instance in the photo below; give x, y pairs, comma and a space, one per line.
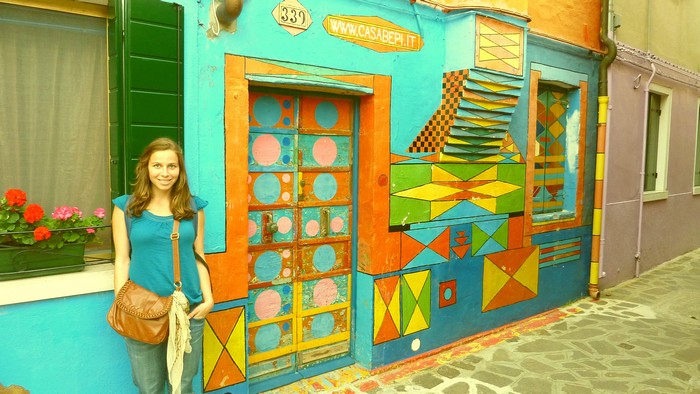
473, 127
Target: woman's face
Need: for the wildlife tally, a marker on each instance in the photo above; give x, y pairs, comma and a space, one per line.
163, 170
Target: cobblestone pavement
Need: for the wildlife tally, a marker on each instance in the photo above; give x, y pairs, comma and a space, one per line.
642, 336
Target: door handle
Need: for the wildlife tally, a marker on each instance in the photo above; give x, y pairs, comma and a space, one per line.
269, 228
325, 221
302, 183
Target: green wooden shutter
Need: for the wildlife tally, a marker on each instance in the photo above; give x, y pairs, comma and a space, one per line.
145, 82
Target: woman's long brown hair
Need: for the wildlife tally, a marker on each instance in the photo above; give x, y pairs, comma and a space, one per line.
180, 195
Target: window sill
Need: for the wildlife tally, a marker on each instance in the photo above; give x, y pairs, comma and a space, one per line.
547, 218
696, 190
655, 196
93, 279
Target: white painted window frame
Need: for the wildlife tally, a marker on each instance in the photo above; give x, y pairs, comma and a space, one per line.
660, 191
696, 165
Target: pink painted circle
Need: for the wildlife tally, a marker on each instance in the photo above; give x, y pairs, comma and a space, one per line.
250, 179
286, 253
312, 228
252, 228
325, 292
268, 304
286, 196
286, 178
286, 272
266, 150
284, 224
325, 151
337, 224
250, 257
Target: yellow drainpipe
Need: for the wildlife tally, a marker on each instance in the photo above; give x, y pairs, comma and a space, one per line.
603, 101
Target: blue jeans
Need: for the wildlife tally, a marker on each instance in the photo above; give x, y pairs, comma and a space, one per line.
149, 362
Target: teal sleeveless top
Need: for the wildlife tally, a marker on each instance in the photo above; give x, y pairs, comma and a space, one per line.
152, 252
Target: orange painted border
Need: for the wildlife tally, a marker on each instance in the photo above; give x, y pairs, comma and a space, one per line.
229, 270
375, 242
530, 168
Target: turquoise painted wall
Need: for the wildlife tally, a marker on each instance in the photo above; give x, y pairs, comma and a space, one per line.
63, 345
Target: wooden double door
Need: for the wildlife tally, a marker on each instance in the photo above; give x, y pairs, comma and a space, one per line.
300, 226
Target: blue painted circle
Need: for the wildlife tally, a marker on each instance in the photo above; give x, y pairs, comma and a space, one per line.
285, 308
268, 337
286, 159
286, 121
286, 289
286, 326
267, 111
268, 266
325, 187
267, 188
286, 141
322, 325
324, 258
326, 114
447, 294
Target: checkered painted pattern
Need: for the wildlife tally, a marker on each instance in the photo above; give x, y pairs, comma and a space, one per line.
434, 134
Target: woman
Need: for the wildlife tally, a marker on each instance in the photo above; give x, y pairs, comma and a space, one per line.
141, 228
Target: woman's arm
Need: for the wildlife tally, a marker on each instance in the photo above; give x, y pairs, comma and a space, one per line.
122, 249
201, 311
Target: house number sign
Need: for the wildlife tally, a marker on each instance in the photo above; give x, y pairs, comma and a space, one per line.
292, 16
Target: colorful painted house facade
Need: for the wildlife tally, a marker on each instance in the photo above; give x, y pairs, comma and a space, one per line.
652, 168
384, 179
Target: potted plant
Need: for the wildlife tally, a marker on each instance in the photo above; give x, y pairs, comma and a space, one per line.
32, 244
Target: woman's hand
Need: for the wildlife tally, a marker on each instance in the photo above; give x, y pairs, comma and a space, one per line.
201, 311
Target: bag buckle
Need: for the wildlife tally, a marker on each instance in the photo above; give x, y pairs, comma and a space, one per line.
174, 236
178, 285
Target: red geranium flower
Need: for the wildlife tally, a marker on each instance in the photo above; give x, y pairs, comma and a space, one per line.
41, 233
33, 213
15, 197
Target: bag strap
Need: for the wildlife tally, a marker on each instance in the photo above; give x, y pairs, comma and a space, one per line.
175, 236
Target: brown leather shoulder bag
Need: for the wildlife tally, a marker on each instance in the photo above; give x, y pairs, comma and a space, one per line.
141, 314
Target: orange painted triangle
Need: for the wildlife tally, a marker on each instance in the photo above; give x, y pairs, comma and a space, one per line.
512, 292
441, 244
410, 248
511, 260
387, 287
434, 158
222, 322
387, 331
226, 373
462, 250
397, 158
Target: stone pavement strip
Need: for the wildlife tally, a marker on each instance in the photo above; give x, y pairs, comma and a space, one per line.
642, 336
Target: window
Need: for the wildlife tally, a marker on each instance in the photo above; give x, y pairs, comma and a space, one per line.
53, 107
555, 153
558, 102
550, 149
657, 138
696, 178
